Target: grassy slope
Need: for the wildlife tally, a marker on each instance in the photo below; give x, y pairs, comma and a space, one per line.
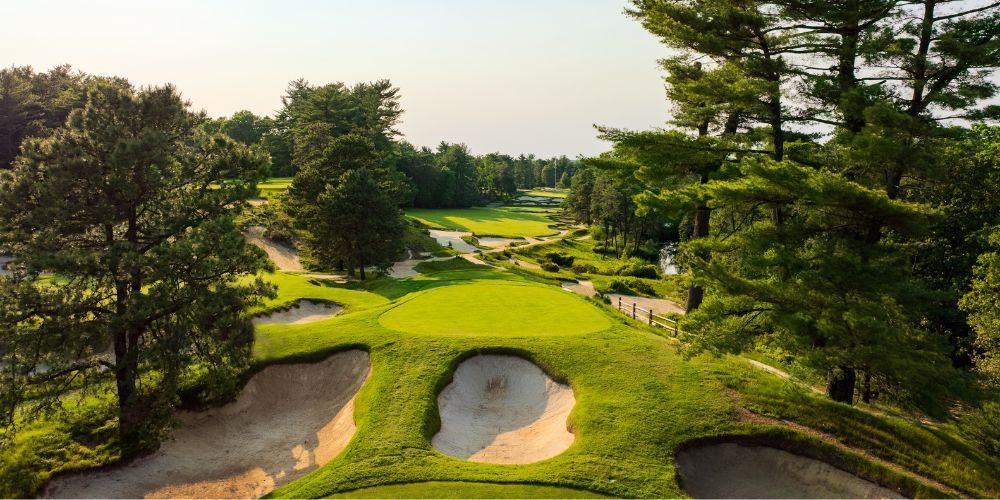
545, 194
637, 401
274, 186
486, 221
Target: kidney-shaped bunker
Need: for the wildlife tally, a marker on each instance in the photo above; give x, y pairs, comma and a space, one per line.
731, 470
505, 410
287, 421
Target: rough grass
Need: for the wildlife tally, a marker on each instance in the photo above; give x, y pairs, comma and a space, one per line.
482, 221
458, 489
560, 193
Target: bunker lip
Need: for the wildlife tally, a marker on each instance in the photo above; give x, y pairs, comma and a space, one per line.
284, 258
503, 409
287, 421
763, 466
302, 312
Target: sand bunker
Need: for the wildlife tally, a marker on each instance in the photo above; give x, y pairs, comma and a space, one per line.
287, 421
584, 287
452, 239
285, 258
304, 311
499, 243
503, 410
731, 470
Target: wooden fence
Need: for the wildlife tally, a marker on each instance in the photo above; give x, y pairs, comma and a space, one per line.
647, 315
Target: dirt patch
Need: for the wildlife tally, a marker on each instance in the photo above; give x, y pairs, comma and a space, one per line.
256, 202
500, 243
287, 421
504, 410
730, 470
304, 311
285, 258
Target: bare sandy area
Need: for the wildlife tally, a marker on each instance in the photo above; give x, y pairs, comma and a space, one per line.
583, 287
730, 470
256, 202
452, 239
287, 421
285, 258
494, 242
304, 311
504, 410
658, 306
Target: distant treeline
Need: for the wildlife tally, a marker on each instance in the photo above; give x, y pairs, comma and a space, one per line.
32, 104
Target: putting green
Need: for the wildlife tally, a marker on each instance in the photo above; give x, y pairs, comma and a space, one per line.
495, 309
463, 489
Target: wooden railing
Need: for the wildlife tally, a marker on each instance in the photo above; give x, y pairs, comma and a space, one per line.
653, 319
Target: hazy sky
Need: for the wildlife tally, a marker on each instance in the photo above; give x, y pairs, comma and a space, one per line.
515, 76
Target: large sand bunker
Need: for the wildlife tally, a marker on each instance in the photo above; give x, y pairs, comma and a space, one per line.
284, 258
304, 311
730, 470
287, 421
504, 410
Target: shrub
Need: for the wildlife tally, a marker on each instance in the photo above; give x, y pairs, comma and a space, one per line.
550, 267
638, 269
560, 259
630, 286
585, 269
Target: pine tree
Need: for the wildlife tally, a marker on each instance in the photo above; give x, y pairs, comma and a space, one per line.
132, 209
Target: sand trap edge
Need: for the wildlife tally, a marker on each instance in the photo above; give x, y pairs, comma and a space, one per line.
448, 379
329, 310
808, 447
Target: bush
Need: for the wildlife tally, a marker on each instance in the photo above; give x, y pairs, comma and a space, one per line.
982, 427
630, 286
638, 269
585, 269
560, 259
550, 267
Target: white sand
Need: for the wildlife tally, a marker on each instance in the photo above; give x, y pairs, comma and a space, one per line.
730, 470
285, 258
304, 311
454, 239
287, 421
501, 243
505, 410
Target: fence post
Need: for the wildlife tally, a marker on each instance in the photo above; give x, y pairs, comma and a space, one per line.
633, 310
675, 329
619, 303
650, 317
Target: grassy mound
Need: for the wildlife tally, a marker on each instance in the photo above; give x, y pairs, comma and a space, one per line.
458, 489
487, 221
495, 309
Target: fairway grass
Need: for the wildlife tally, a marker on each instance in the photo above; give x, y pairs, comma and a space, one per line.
483, 221
458, 489
498, 309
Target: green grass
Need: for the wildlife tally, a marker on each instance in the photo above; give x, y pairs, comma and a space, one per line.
561, 193
457, 489
638, 398
540, 310
483, 221
274, 187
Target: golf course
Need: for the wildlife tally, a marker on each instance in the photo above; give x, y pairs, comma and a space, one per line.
588, 249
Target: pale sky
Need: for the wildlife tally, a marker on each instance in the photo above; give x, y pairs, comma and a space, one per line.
515, 76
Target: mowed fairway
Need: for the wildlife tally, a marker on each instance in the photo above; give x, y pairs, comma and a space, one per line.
495, 309
483, 221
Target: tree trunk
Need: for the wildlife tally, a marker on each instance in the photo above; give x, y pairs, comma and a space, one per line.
702, 216
866, 386
361, 266
130, 408
840, 385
